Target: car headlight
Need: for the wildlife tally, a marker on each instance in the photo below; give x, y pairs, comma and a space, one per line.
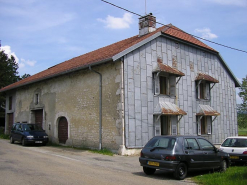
45, 136
29, 137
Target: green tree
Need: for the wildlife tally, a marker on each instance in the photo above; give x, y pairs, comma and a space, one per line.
242, 108
8, 74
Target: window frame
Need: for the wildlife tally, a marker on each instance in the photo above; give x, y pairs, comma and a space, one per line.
204, 125
203, 91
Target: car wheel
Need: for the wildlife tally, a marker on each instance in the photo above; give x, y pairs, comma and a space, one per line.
223, 166
148, 171
11, 140
23, 142
181, 171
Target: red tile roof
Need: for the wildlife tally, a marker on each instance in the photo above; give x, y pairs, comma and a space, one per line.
203, 76
105, 53
168, 69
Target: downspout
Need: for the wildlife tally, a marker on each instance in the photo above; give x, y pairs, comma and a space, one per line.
100, 107
122, 102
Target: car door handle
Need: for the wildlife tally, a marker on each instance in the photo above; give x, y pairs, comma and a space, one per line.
205, 153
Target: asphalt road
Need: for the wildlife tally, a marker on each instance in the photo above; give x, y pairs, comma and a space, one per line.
58, 166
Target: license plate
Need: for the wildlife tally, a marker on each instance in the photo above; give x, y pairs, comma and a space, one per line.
234, 157
153, 163
38, 141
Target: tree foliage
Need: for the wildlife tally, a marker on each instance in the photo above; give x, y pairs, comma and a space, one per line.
242, 108
8, 73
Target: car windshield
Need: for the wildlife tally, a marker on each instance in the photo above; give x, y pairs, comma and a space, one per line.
235, 142
165, 143
32, 127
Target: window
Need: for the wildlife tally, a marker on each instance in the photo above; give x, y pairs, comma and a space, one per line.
205, 145
10, 103
204, 125
165, 126
203, 90
190, 144
165, 84
36, 99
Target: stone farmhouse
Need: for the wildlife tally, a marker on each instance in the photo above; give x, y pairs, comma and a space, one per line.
161, 82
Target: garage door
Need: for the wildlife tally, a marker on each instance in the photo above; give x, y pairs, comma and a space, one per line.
63, 130
39, 117
11, 120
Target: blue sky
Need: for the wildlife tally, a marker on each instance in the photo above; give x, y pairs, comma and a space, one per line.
43, 33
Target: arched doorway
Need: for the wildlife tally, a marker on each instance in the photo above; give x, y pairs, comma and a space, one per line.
62, 130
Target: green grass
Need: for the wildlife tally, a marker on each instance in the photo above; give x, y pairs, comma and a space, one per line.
2, 135
242, 131
233, 175
103, 151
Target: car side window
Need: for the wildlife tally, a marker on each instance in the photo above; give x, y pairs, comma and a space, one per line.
191, 144
18, 128
205, 144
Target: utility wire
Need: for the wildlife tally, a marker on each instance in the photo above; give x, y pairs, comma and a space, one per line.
177, 29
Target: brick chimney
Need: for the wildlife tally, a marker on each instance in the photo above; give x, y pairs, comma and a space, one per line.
147, 24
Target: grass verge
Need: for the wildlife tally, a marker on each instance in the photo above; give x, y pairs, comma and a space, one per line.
103, 151
242, 131
233, 175
2, 135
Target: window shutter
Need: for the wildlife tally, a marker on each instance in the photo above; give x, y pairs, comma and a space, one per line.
198, 90
174, 129
157, 129
207, 91
199, 127
172, 84
156, 84
209, 125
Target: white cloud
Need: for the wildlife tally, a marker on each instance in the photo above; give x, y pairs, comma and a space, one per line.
7, 50
21, 63
231, 2
118, 23
24, 62
206, 33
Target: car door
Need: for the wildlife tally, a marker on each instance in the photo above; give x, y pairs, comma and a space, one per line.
211, 157
193, 153
18, 132
13, 131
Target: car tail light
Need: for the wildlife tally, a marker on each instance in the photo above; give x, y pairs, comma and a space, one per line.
245, 152
141, 154
170, 158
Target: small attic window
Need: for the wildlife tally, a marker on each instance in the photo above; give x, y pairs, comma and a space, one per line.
176, 45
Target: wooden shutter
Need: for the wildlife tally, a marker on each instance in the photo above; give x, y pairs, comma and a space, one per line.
199, 126
157, 129
207, 91
209, 125
156, 84
174, 121
172, 80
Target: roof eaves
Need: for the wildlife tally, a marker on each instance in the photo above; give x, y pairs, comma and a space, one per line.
237, 83
56, 75
135, 46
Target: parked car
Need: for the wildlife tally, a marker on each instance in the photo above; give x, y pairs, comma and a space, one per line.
178, 154
28, 133
237, 148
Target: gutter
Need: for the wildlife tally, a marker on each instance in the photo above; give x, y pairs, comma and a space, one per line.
56, 75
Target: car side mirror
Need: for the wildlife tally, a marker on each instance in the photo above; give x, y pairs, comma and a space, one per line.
216, 150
